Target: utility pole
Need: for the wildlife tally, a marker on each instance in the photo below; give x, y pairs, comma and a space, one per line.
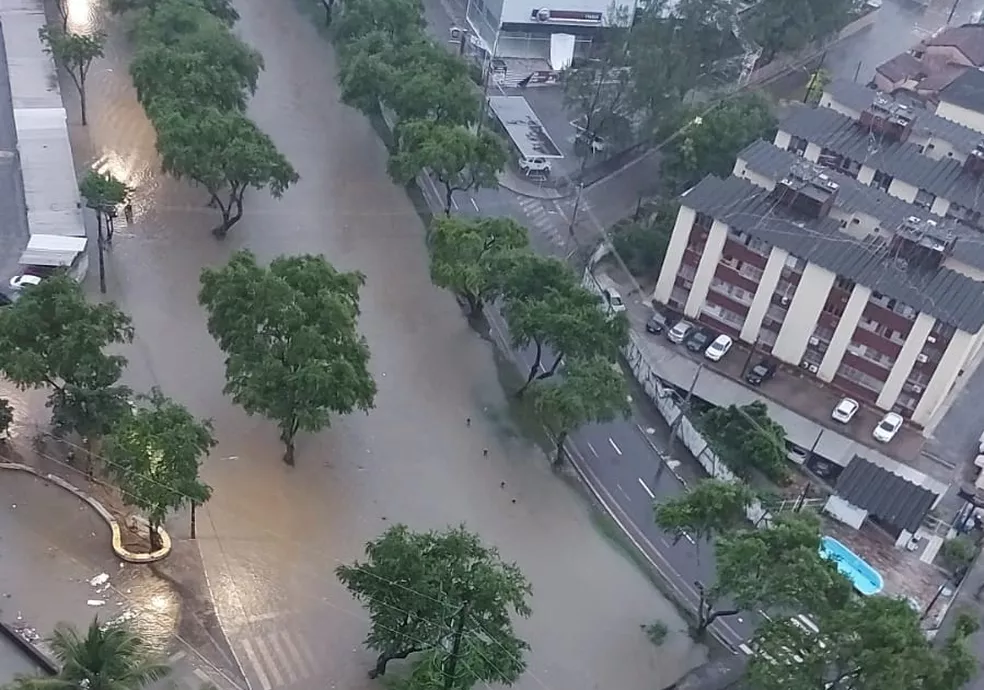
952, 10
577, 206
101, 249
748, 360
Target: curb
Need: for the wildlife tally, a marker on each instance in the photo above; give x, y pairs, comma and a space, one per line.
117, 542
47, 664
507, 182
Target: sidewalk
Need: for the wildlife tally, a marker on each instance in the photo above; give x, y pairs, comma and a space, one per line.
57, 565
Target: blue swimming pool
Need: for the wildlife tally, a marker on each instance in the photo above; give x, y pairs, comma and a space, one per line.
865, 579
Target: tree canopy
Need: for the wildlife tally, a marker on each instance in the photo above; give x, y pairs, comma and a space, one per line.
445, 598
710, 508
468, 256
102, 191
289, 333
745, 438
457, 157
642, 241
788, 25
591, 390
52, 337
155, 454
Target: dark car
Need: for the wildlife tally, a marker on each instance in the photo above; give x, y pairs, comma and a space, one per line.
761, 372
657, 323
699, 339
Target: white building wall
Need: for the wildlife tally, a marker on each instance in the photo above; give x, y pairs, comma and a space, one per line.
763, 295
843, 333
812, 152
804, 310
705, 271
742, 170
903, 364
782, 139
674, 254
866, 174
903, 190
940, 206
828, 101
964, 116
958, 352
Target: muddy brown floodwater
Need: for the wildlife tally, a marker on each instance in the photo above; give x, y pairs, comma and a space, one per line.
271, 536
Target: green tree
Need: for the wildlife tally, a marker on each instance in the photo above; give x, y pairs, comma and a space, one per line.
366, 71
642, 242
155, 454
75, 53
710, 508
446, 597
457, 157
220, 9
432, 84
816, 85
468, 256
958, 553
746, 438
110, 656
591, 390
863, 642
545, 307
6, 417
52, 337
711, 141
102, 193
401, 19
225, 153
788, 25
289, 332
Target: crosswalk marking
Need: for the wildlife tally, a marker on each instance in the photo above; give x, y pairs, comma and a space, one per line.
268, 658
289, 667
306, 651
202, 676
293, 652
255, 663
176, 657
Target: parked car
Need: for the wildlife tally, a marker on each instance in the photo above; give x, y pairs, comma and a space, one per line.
614, 300
699, 339
657, 323
679, 332
845, 410
761, 372
888, 427
796, 454
536, 166
24, 280
719, 348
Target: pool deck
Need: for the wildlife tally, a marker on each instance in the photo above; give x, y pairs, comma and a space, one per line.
904, 574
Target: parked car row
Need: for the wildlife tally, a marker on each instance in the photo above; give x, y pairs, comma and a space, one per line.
696, 339
884, 431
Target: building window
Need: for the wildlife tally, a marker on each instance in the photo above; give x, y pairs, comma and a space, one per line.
845, 284
724, 315
760, 247
753, 273
859, 377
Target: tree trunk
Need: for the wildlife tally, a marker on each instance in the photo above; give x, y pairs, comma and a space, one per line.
451, 664
553, 368
194, 523
288, 430
533, 369
448, 198
475, 304
100, 248
386, 657
709, 617
81, 85
559, 457
155, 537
232, 212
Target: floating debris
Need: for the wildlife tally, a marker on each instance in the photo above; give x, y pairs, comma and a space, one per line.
95, 602
99, 580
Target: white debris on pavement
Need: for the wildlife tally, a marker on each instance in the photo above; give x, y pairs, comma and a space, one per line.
99, 580
95, 602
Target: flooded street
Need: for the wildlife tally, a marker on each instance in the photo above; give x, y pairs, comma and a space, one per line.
272, 536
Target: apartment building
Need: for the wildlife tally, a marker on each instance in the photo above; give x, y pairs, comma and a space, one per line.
891, 147
867, 292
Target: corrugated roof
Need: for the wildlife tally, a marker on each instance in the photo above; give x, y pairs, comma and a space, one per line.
968, 39
846, 137
885, 495
902, 66
942, 293
967, 90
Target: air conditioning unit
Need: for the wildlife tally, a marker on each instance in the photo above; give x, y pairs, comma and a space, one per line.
814, 340
921, 358
813, 368
931, 339
917, 389
805, 364
784, 300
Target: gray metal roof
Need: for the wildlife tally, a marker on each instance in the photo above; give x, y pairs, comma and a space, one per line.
942, 293
524, 127
839, 133
885, 495
967, 90
927, 123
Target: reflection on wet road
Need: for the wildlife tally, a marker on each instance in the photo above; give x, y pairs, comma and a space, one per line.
271, 536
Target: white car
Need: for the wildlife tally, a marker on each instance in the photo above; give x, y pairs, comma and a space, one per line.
845, 410
888, 427
679, 332
719, 348
22, 281
535, 166
614, 300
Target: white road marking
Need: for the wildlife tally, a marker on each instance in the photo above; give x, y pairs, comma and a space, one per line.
592, 448
306, 652
617, 449
477, 209
294, 654
746, 649
202, 676
271, 664
278, 650
646, 488
255, 663
619, 487
688, 537
176, 657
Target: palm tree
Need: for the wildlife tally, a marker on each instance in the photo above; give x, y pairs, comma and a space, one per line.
108, 657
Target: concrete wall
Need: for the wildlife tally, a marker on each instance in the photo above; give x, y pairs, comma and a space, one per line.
705, 271
960, 350
674, 254
803, 313
843, 333
763, 295
903, 363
